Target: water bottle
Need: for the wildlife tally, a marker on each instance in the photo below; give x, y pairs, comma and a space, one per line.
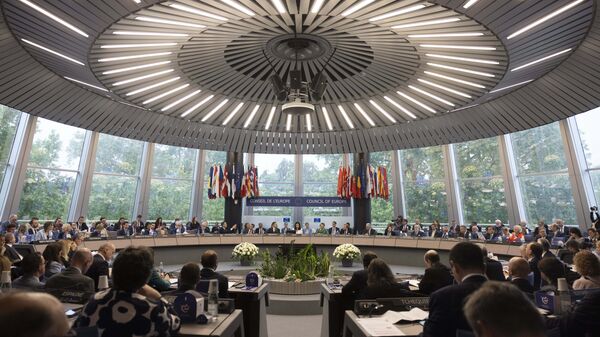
213, 298
330, 275
563, 300
161, 267
5, 282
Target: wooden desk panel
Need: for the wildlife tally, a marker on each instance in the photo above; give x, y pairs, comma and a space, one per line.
121, 243
273, 239
406, 243
299, 239
321, 240
255, 239
363, 240
385, 241
209, 240
95, 244
143, 241
231, 239
428, 244
514, 250
165, 241
498, 249
187, 241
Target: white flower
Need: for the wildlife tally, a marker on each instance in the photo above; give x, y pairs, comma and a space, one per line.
346, 251
245, 249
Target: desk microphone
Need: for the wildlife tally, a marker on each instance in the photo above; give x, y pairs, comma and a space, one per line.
374, 307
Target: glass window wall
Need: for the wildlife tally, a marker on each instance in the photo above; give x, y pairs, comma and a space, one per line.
9, 120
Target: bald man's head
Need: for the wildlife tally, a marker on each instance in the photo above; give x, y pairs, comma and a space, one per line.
25, 314
107, 250
82, 259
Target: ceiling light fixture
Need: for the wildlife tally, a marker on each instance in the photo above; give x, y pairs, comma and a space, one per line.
89, 85
510, 86
270, 118
465, 59
182, 99
346, 118
544, 19
428, 94
383, 112
454, 79
462, 70
169, 22
132, 33
356, 7
239, 7
451, 46
364, 114
279, 6
143, 66
426, 23
417, 102
197, 11
232, 113
288, 123
397, 12
155, 85
327, 120
316, 6
251, 117
53, 52
427, 36
542, 59
164, 94
403, 109
135, 79
137, 1
138, 45
215, 109
469, 3
190, 110
456, 92
55, 18
133, 57
308, 123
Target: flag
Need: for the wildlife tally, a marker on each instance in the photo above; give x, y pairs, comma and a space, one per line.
210, 179
225, 183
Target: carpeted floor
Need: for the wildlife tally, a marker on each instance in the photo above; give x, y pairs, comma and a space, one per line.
294, 326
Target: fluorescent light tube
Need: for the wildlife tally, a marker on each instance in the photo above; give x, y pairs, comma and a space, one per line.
469, 3
426, 36
422, 105
133, 57
164, 94
397, 12
426, 23
169, 22
403, 109
135, 79
544, 19
327, 120
454, 79
197, 11
270, 118
143, 66
456, 92
239, 7
288, 123
53, 52
345, 115
251, 117
182, 99
510, 86
55, 18
215, 109
465, 59
462, 70
316, 7
356, 7
450, 46
541, 60
279, 6
232, 113
383, 112
308, 123
155, 85
138, 45
132, 33
89, 85
428, 94
364, 114
190, 110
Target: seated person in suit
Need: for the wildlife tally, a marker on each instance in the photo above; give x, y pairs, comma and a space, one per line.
189, 276
491, 234
273, 229
346, 230
445, 305
159, 280
434, 230
381, 283
534, 255
177, 228
247, 229
592, 235
572, 247
358, 281
588, 266
369, 230
389, 230
307, 230
33, 267
333, 230
436, 274
417, 232
130, 307
204, 229
286, 229
462, 232
32, 314
517, 235
499, 309
209, 266
545, 248
10, 252
73, 278
551, 269
541, 225
582, 320
493, 268
100, 263
475, 234
518, 271
125, 229
446, 233
260, 229
193, 225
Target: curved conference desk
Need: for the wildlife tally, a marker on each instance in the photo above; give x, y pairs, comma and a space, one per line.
404, 251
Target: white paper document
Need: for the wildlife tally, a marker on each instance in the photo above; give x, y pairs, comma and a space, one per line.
379, 327
414, 315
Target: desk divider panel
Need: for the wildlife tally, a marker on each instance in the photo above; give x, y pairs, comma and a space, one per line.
256, 239
428, 244
338, 240
321, 240
231, 239
165, 241
40, 248
187, 240
409, 243
385, 241
122, 243
363, 240
273, 239
497, 249
301, 240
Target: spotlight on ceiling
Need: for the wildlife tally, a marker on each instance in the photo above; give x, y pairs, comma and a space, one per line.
317, 86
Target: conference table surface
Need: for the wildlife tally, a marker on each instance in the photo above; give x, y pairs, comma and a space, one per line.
325, 240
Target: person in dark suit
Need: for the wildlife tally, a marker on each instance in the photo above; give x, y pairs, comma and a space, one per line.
518, 271
73, 277
346, 230
445, 305
436, 275
434, 230
273, 229
125, 230
491, 234
100, 263
417, 232
369, 230
534, 253
493, 268
582, 320
357, 282
189, 276
260, 230
381, 283
10, 252
546, 248
208, 272
499, 309
540, 225
333, 230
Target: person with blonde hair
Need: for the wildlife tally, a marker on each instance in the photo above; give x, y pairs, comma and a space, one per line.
65, 251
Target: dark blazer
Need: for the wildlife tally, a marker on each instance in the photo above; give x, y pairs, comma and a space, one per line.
548, 254
99, 267
493, 270
437, 234
419, 234
524, 285
352, 288
209, 274
273, 231
445, 308
436, 277
537, 275
330, 230
372, 231
385, 291
582, 320
122, 232
12, 254
257, 231
70, 279
343, 231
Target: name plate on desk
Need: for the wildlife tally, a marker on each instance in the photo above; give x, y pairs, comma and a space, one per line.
189, 306
253, 280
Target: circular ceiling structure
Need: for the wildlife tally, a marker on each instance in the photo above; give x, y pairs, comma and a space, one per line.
400, 74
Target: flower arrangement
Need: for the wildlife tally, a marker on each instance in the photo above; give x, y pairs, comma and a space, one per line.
346, 251
245, 251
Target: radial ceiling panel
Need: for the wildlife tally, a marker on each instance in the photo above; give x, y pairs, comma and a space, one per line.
401, 73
